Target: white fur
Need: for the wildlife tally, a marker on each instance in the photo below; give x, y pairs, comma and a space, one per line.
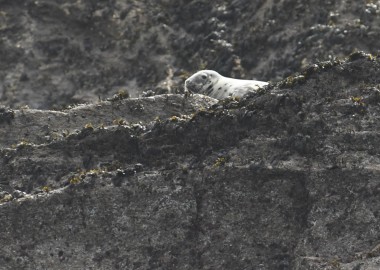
211, 83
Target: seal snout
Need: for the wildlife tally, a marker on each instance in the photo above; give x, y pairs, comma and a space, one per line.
189, 85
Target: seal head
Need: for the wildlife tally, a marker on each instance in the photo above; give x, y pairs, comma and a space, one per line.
202, 82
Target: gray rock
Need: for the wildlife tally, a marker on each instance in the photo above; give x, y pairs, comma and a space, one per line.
56, 53
286, 178
292, 186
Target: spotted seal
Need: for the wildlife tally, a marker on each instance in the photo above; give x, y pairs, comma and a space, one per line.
212, 84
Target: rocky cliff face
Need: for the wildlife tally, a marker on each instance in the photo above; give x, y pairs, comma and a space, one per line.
56, 53
286, 178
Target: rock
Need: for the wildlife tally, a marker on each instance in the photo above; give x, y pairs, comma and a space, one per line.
42, 126
285, 178
292, 186
64, 53
5, 197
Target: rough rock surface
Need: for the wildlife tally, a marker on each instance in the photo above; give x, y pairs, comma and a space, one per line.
287, 178
55, 53
31, 126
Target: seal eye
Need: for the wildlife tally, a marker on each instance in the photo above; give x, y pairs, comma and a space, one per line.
204, 77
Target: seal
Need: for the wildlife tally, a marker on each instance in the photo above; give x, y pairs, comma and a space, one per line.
212, 84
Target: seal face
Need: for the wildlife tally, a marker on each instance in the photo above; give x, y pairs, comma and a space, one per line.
211, 83
202, 82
